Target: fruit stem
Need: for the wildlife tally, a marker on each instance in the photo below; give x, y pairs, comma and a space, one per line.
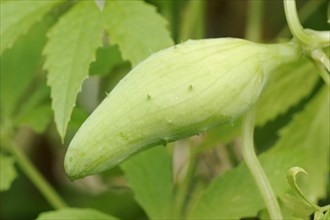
304, 13
256, 169
294, 23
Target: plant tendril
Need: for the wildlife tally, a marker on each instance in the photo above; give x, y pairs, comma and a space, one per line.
292, 180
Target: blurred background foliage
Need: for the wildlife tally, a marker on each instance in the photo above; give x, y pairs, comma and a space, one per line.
218, 150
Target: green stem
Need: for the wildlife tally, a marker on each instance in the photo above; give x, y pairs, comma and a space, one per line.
49, 193
323, 73
320, 56
294, 23
192, 26
253, 33
311, 40
185, 184
192, 21
256, 169
324, 208
254, 23
304, 13
322, 63
328, 13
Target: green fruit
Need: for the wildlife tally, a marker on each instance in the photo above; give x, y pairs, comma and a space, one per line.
175, 93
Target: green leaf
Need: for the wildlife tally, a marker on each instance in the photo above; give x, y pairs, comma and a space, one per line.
306, 136
234, 195
75, 213
325, 216
100, 4
231, 196
292, 180
38, 118
134, 26
36, 111
18, 72
79, 115
7, 172
289, 85
149, 174
297, 207
106, 60
137, 28
17, 17
222, 134
69, 52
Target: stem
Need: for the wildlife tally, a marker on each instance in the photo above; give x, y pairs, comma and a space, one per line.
323, 73
185, 184
305, 12
192, 26
322, 63
324, 208
320, 56
294, 23
254, 23
29, 169
253, 32
312, 40
192, 21
328, 13
255, 168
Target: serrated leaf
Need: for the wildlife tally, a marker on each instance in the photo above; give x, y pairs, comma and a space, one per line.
290, 84
7, 172
17, 17
137, 28
69, 52
79, 115
75, 213
106, 60
19, 66
149, 174
235, 195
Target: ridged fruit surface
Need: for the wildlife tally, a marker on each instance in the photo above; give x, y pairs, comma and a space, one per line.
175, 93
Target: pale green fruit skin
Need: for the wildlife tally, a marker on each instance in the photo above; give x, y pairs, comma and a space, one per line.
175, 93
